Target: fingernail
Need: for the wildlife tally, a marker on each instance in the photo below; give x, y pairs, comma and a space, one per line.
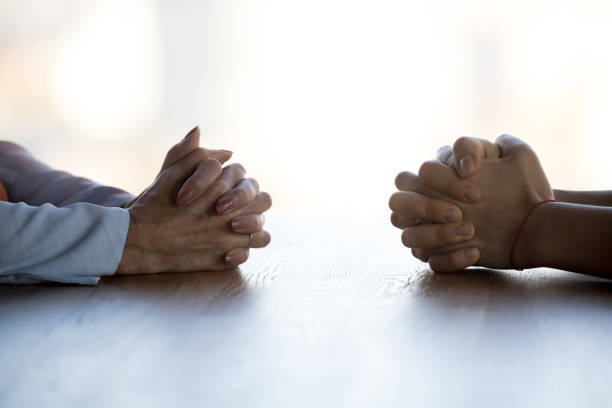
225, 206
466, 164
239, 224
191, 131
226, 151
185, 198
471, 195
452, 215
470, 253
229, 259
463, 230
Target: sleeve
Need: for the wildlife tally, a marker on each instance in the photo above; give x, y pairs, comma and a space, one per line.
28, 180
74, 244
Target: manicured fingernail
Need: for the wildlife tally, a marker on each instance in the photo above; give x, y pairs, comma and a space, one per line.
239, 224
452, 215
471, 195
470, 253
191, 131
466, 164
225, 206
185, 198
229, 259
463, 230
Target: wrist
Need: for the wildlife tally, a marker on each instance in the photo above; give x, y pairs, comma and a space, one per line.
561, 195
135, 258
531, 248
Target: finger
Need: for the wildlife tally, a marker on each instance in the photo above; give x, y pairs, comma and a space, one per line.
180, 171
441, 178
427, 253
446, 156
407, 181
418, 253
419, 207
255, 240
205, 174
260, 239
469, 153
188, 144
401, 221
247, 223
437, 235
237, 256
229, 178
237, 197
455, 260
512, 146
260, 204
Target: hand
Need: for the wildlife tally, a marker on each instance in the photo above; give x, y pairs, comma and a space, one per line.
194, 236
509, 185
427, 218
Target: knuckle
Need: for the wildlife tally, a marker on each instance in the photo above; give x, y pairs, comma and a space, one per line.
394, 201
456, 187
462, 142
266, 199
237, 168
166, 173
444, 153
401, 178
239, 195
253, 183
408, 237
212, 164
425, 169
428, 211
443, 234
395, 219
419, 254
218, 188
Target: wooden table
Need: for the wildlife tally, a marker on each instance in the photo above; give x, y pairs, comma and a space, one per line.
334, 313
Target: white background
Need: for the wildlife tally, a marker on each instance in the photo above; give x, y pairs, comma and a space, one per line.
323, 101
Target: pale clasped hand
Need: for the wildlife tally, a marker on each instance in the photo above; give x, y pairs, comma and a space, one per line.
196, 216
467, 207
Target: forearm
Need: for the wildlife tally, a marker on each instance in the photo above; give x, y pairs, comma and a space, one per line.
30, 181
75, 244
600, 198
568, 236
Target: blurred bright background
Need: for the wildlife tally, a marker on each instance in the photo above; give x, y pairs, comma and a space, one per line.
323, 101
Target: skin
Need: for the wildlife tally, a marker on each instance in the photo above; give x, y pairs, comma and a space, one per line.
570, 234
197, 215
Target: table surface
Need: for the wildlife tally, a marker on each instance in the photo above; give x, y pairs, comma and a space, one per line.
335, 312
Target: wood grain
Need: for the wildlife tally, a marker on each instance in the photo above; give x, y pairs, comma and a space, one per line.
334, 313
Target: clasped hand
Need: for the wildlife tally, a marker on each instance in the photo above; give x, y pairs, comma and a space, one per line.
197, 215
466, 207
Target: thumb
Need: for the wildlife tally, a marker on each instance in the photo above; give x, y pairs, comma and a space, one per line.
469, 153
188, 144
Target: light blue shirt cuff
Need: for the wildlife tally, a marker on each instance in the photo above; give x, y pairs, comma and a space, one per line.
74, 244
